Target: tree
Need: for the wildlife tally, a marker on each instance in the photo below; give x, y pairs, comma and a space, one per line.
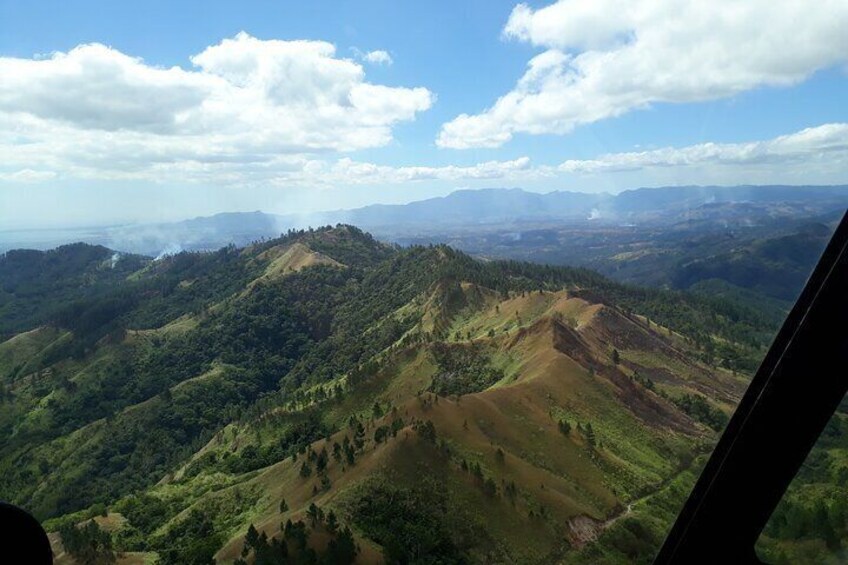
88, 544
564, 427
426, 430
511, 490
332, 523
313, 513
297, 533
252, 537
342, 549
381, 433
589, 432
283, 506
476, 470
397, 425
616, 358
359, 436
305, 470
321, 461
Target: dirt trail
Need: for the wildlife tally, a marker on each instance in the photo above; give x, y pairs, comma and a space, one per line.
584, 530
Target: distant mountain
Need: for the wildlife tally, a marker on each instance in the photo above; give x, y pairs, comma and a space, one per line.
470, 207
472, 210
689, 198
202, 233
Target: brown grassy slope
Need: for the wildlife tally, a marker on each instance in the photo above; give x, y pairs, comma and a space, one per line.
560, 349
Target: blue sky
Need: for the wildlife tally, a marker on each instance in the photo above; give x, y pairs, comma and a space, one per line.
571, 95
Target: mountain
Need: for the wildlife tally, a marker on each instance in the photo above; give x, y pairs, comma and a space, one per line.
336, 398
665, 205
470, 207
472, 213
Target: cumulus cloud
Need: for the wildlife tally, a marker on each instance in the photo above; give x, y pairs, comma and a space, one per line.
816, 154
378, 57
607, 57
95, 112
826, 144
356, 172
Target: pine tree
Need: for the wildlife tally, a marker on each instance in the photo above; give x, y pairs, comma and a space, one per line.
332, 522
342, 550
305, 470
321, 461
590, 434
251, 538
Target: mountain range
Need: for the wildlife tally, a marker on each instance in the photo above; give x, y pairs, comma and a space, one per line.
470, 211
227, 404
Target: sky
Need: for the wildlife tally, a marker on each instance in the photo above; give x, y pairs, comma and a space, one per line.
121, 112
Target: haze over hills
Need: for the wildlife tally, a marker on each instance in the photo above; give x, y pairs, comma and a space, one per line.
467, 211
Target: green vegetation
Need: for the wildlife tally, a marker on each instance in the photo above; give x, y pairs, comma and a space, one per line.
379, 401
410, 523
293, 546
697, 406
462, 370
87, 544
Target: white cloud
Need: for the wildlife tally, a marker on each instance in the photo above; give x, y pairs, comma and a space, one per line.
95, 87
825, 145
27, 176
355, 172
378, 57
816, 154
95, 112
604, 58
302, 172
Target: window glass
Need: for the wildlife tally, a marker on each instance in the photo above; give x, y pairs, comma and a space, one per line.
810, 525
456, 282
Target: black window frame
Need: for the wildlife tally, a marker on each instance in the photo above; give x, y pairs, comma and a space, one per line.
790, 400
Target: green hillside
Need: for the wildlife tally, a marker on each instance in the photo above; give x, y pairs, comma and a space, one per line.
327, 397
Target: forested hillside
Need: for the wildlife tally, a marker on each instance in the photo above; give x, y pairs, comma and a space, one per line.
324, 397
